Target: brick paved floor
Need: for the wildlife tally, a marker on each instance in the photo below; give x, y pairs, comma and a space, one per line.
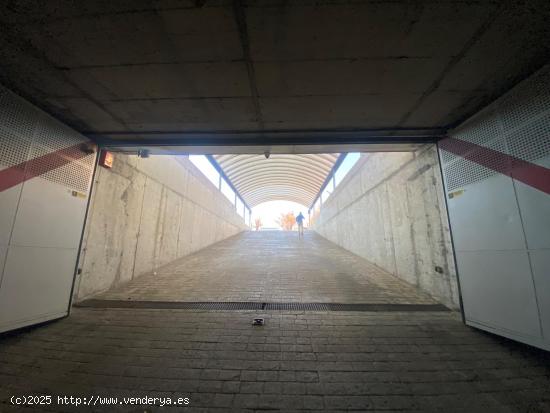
271, 266
297, 361
315, 361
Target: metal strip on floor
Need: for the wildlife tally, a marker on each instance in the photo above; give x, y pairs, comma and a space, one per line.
251, 305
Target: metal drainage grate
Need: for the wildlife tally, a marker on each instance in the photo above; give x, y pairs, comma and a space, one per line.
387, 307
298, 306
250, 305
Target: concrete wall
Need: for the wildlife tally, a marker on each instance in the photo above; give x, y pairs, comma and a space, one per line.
145, 213
390, 209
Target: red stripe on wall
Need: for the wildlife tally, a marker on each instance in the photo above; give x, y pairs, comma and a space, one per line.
24, 171
529, 173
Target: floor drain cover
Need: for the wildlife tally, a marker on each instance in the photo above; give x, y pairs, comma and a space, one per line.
251, 305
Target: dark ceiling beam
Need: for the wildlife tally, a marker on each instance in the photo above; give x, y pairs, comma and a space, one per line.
269, 138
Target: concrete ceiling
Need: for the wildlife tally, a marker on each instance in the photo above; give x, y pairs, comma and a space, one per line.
269, 72
297, 178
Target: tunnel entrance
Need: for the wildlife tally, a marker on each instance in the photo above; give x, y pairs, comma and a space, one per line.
160, 230
182, 232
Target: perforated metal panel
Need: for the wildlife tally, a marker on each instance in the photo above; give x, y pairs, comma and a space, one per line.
13, 150
40, 220
74, 174
27, 134
16, 116
460, 172
532, 141
16, 131
480, 129
522, 104
484, 130
516, 125
500, 221
464, 172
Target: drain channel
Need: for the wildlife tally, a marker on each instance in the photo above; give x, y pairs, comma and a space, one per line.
251, 305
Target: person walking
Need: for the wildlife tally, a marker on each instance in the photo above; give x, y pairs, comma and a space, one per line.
300, 221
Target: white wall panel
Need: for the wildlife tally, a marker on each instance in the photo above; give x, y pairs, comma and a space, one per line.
540, 262
42, 214
3, 252
34, 285
15, 144
48, 215
8, 207
486, 216
497, 290
535, 211
501, 224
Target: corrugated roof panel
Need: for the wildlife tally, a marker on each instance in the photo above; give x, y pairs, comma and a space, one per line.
295, 178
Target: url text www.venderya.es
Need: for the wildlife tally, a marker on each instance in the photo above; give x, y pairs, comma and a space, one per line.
42, 400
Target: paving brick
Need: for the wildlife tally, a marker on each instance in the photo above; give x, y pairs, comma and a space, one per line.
222, 400
229, 375
267, 375
294, 388
210, 386
314, 402
251, 387
231, 386
348, 402
249, 401
272, 387
248, 375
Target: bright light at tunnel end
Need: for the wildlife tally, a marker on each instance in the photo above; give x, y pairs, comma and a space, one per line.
270, 212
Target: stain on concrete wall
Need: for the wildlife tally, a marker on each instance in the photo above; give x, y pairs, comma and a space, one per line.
390, 209
145, 213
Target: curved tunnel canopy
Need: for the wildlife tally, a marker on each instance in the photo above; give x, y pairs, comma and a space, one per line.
296, 178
